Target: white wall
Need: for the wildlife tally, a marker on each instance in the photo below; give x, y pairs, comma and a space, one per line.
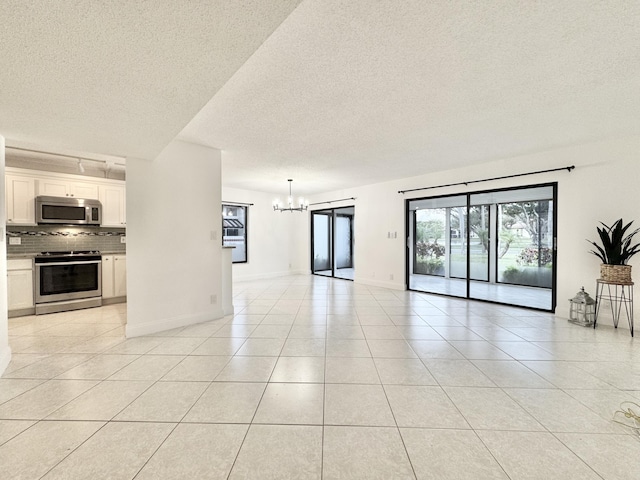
603, 187
5, 351
174, 233
274, 244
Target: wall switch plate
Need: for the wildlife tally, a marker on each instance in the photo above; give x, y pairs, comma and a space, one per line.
15, 241
214, 299
123, 239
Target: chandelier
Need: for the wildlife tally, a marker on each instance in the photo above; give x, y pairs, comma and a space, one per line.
302, 203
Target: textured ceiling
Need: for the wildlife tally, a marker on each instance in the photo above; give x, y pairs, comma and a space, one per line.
331, 93
120, 77
357, 92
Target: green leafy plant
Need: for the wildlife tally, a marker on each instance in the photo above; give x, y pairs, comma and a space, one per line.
429, 250
531, 276
534, 255
429, 261
616, 247
511, 274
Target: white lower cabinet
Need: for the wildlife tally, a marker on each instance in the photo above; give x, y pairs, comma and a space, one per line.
114, 276
120, 275
20, 284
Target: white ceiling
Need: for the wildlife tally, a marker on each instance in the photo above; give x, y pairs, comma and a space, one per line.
332, 93
120, 77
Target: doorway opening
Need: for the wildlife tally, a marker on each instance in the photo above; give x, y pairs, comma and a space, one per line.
332, 243
496, 245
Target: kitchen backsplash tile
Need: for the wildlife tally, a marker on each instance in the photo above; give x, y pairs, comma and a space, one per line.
62, 238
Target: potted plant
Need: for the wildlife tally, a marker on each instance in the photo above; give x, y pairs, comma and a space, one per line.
615, 250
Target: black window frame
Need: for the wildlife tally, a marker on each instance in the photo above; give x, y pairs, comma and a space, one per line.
246, 229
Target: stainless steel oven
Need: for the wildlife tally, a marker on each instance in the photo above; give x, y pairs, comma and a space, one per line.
68, 281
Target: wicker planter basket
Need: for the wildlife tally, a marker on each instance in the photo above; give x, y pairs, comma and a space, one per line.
615, 273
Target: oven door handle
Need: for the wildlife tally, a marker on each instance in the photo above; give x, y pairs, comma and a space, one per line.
57, 264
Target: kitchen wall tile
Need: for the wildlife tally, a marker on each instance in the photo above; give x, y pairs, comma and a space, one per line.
62, 238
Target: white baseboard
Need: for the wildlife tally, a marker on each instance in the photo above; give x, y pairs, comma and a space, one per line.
170, 323
361, 280
378, 283
266, 276
5, 358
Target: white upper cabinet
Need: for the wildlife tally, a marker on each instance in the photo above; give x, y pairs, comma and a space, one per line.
85, 190
114, 211
22, 186
20, 199
56, 187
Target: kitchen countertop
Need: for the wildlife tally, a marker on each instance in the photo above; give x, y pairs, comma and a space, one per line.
11, 256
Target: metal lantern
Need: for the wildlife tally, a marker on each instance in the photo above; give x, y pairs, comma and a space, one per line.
583, 309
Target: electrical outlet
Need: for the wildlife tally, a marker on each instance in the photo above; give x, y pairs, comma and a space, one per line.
123, 239
214, 299
391, 276
15, 241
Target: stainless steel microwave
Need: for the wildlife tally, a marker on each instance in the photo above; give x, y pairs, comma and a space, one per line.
68, 211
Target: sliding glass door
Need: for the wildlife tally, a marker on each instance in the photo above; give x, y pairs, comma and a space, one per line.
332, 242
322, 245
493, 245
438, 254
343, 244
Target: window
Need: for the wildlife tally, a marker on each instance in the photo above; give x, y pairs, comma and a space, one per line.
234, 231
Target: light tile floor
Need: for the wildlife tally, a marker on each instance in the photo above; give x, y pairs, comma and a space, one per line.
320, 378
520, 295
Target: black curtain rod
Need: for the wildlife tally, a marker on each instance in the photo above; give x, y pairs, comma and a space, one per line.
332, 201
568, 169
237, 203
